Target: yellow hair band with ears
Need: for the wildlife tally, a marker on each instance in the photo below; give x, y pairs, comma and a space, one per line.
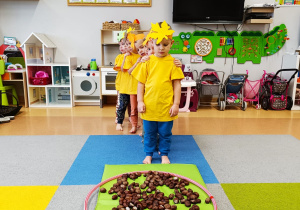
139, 37
160, 32
148, 38
131, 36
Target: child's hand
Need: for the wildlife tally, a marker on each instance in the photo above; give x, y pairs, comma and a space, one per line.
174, 110
141, 107
128, 53
145, 58
177, 63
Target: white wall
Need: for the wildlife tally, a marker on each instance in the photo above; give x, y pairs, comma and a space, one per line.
76, 29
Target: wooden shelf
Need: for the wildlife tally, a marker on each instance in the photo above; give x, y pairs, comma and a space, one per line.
259, 21
260, 10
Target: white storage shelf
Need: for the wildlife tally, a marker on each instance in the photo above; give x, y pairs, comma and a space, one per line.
297, 97
50, 95
292, 62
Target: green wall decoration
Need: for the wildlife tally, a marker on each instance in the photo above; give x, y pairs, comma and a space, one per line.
245, 46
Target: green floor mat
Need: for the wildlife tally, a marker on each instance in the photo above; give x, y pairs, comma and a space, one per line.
267, 196
105, 201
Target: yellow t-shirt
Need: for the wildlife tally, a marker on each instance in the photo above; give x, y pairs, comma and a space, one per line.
133, 81
157, 75
126, 79
117, 67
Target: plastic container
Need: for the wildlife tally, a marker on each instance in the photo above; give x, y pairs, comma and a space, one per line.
93, 65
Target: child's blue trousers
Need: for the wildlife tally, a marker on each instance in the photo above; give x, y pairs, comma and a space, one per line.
164, 129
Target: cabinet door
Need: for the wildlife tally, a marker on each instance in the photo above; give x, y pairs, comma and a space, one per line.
108, 83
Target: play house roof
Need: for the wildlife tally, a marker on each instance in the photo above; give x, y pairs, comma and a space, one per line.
34, 38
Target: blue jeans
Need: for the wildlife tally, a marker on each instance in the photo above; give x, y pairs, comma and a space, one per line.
164, 129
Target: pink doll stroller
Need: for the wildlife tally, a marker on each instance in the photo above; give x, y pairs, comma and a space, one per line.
251, 90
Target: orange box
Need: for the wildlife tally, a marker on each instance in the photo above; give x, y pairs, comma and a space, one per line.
5, 76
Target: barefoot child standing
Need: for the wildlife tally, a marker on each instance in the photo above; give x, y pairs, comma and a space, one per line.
118, 62
124, 97
159, 91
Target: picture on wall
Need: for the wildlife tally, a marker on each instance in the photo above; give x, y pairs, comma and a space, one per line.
117, 3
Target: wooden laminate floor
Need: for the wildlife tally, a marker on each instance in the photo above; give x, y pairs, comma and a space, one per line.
92, 120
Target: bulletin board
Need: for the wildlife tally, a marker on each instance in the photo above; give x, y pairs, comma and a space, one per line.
111, 3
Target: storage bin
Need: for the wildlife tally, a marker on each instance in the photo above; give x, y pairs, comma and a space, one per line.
210, 89
125, 26
111, 26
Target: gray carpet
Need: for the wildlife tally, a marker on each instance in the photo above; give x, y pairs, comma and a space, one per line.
37, 160
252, 158
45, 161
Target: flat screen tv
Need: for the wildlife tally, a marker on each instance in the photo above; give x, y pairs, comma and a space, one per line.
208, 11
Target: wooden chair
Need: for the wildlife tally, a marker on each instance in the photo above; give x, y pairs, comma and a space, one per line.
6, 88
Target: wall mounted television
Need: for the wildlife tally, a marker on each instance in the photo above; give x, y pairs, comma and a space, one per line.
208, 11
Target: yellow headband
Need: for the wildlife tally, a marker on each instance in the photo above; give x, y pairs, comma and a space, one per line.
131, 36
148, 38
160, 33
139, 37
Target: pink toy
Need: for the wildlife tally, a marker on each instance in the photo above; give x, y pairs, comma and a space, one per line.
251, 90
41, 78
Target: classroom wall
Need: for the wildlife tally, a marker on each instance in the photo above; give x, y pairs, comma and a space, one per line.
75, 30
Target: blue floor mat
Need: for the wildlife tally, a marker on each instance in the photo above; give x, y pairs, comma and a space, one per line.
99, 150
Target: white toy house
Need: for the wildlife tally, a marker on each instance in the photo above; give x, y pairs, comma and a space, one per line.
48, 83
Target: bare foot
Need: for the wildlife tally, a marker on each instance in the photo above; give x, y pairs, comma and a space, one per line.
147, 160
165, 160
133, 130
119, 127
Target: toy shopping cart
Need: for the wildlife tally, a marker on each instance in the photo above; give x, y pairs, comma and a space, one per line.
233, 92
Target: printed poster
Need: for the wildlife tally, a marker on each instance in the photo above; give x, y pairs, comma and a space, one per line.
143, 1
116, 1
75, 1
129, 1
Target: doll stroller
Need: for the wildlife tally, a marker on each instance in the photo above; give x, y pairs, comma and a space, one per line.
274, 91
209, 83
251, 90
233, 92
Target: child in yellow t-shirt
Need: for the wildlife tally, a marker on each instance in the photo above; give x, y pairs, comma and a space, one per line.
132, 61
124, 82
159, 92
149, 50
118, 62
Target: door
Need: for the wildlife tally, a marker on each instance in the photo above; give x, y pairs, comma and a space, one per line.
83, 85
